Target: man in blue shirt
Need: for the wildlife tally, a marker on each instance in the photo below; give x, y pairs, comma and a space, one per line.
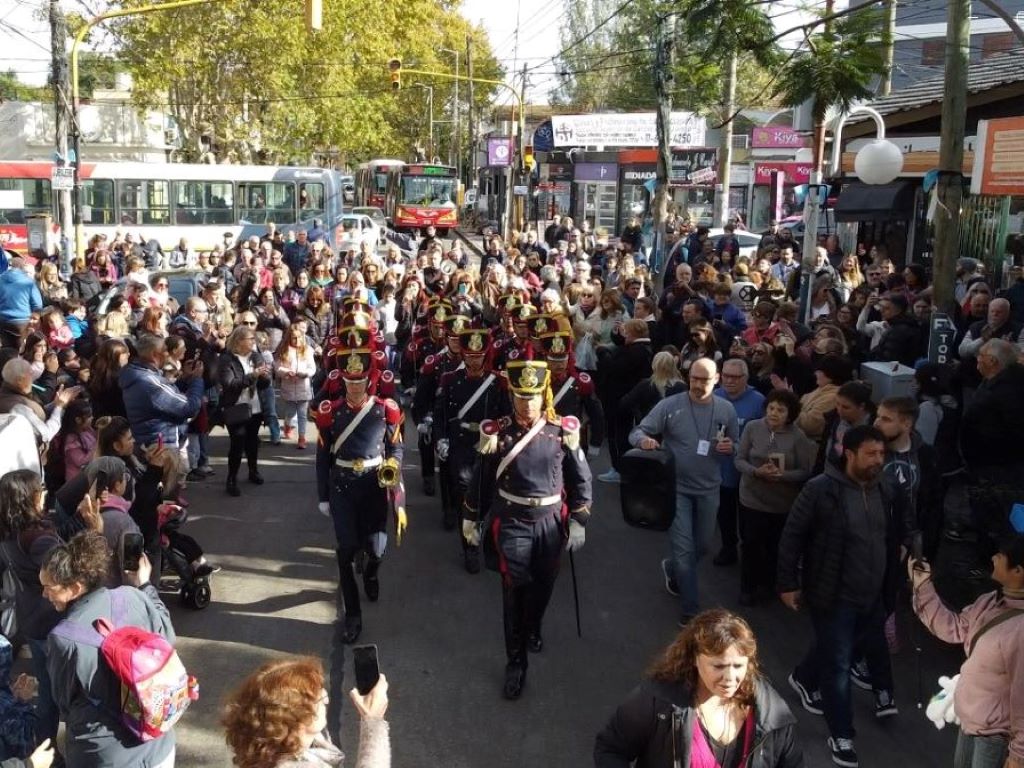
749, 405
19, 298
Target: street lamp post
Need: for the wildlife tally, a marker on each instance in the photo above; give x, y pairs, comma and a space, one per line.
430, 117
455, 149
879, 162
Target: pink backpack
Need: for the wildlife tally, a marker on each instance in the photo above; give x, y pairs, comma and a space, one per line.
155, 688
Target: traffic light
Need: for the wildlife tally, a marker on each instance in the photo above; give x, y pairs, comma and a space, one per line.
529, 161
314, 15
395, 67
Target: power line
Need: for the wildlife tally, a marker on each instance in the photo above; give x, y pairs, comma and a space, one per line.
589, 34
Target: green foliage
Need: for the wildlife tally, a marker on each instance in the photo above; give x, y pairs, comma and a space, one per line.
96, 71
839, 66
12, 89
248, 77
614, 70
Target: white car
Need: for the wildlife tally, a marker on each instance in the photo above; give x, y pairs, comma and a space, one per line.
748, 241
359, 228
376, 214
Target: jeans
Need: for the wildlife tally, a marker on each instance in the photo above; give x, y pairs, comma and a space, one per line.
244, 439
689, 540
826, 666
728, 508
268, 404
46, 708
293, 411
980, 751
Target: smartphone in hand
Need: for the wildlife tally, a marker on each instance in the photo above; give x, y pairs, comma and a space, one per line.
367, 669
132, 548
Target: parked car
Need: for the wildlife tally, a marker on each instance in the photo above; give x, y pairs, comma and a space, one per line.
182, 284
359, 228
376, 214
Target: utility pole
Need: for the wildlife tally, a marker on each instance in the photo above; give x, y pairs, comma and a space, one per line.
721, 215
471, 116
664, 81
888, 47
521, 170
61, 83
951, 154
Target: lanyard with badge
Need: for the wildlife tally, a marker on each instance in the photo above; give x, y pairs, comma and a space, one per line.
703, 446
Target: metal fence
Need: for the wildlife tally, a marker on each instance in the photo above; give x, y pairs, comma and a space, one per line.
984, 221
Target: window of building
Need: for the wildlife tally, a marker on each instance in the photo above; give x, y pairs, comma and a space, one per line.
204, 202
933, 53
143, 202
993, 45
98, 201
263, 201
36, 195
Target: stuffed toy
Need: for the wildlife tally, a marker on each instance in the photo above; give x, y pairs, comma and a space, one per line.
940, 707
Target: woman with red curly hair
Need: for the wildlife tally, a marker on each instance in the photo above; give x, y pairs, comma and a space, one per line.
277, 718
704, 704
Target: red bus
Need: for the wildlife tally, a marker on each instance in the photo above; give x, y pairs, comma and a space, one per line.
372, 182
421, 194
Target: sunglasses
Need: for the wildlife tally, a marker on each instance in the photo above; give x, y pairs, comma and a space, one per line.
248, 322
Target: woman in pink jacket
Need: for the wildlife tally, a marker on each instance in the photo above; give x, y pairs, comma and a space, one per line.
989, 697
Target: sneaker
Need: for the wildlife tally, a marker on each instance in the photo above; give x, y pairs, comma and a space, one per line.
195, 476
287, 433
301, 444
670, 583
860, 676
611, 476
843, 752
205, 469
811, 700
885, 704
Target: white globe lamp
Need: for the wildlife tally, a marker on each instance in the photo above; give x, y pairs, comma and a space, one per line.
878, 162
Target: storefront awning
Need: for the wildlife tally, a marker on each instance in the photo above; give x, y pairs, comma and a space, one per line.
876, 202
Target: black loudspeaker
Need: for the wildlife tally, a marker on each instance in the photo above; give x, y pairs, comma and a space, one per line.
648, 488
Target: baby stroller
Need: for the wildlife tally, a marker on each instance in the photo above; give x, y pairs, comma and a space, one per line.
183, 568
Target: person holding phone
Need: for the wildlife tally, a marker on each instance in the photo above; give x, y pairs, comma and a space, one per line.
277, 718
243, 374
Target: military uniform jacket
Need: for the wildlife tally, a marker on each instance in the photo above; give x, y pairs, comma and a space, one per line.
511, 348
547, 466
457, 388
379, 434
578, 399
429, 380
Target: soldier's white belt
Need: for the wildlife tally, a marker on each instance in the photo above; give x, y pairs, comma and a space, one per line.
530, 501
361, 465
470, 426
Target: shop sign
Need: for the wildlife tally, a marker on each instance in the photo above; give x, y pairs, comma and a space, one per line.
635, 129
775, 137
796, 173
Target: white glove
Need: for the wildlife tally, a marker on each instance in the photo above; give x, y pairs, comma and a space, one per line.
940, 708
324, 508
471, 533
593, 451
424, 426
442, 449
577, 535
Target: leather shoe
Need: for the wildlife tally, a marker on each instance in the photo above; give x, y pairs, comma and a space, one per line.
515, 679
471, 557
371, 585
535, 643
233, 488
353, 628
255, 478
428, 486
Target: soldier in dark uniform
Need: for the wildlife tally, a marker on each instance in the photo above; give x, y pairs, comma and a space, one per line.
540, 494
427, 387
517, 346
359, 481
467, 397
574, 393
437, 313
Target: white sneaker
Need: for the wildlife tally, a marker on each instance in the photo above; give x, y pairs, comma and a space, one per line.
611, 476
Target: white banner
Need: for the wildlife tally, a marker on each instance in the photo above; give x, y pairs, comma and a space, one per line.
635, 129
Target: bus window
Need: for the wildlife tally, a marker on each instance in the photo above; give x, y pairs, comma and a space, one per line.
36, 194
311, 201
204, 202
98, 201
428, 191
143, 202
264, 201
158, 204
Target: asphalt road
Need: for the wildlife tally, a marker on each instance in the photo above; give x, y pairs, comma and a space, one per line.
439, 634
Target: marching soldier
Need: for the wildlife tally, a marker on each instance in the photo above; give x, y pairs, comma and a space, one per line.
468, 396
517, 345
540, 494
359, 480
437, 314
574, 393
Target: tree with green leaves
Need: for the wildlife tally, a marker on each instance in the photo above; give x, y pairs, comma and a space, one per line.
12, 89
247, 82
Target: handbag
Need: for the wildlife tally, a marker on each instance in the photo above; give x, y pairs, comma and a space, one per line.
236, 415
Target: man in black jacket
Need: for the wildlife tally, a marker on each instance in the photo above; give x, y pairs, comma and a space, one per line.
903, 341
846, 526
617, 374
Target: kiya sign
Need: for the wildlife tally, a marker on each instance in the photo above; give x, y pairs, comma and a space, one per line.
635, 129
775, 137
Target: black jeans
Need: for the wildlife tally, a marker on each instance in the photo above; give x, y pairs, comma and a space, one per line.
759, 560
728, 508
245, 439
826, 667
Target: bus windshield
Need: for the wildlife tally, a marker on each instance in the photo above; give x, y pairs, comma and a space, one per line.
428, 191
380, 182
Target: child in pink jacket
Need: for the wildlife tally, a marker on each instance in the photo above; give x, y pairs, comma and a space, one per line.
989, 698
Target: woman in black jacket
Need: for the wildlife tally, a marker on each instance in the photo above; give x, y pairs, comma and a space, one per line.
664, 381
704, 703
242, 374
